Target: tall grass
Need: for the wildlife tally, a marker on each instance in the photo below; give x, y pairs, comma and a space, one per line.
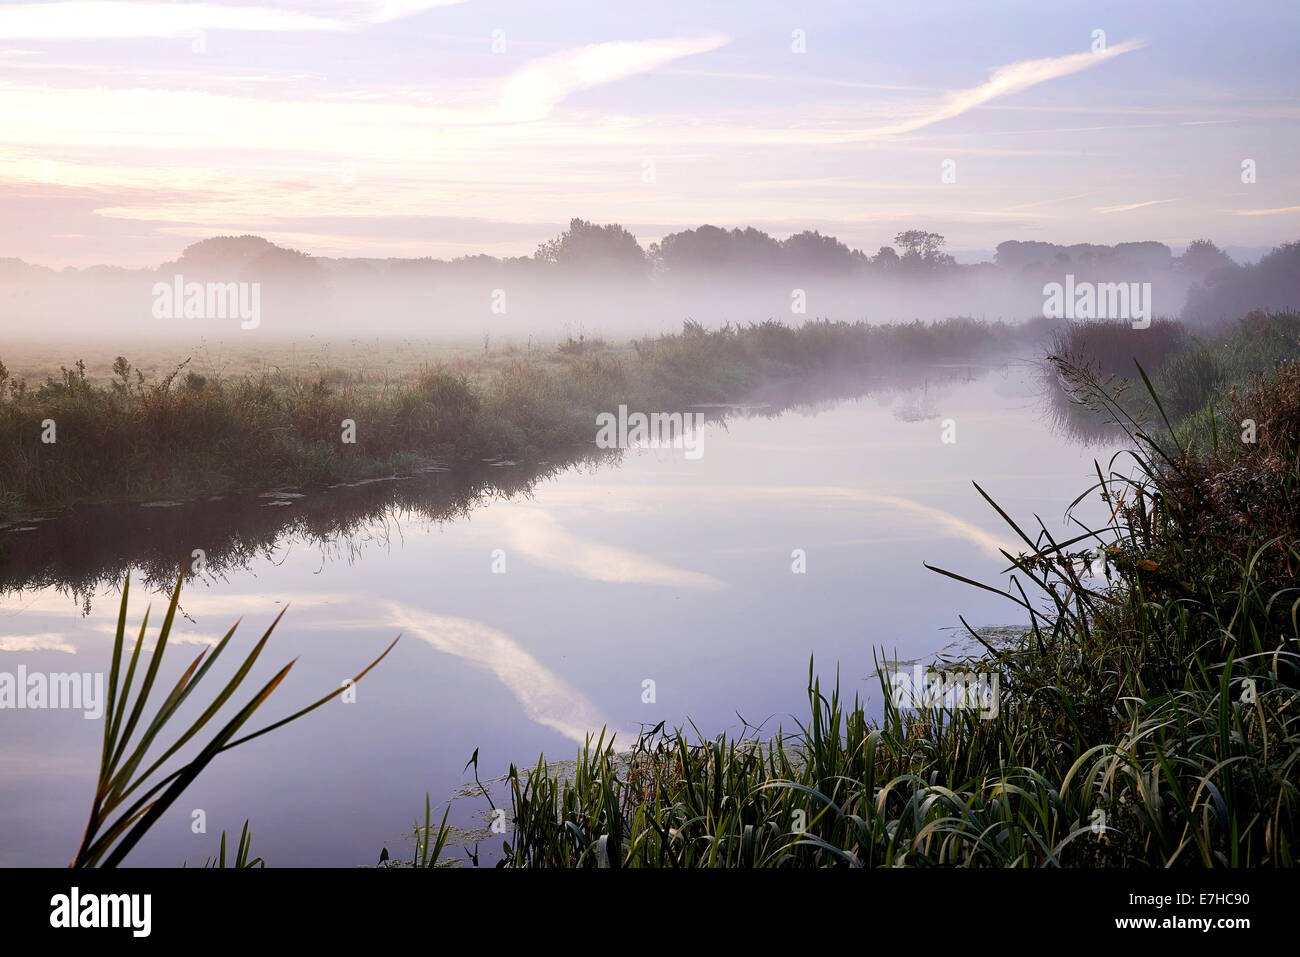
1194, 377
243, 852
190, 435
1148, 714
1111, 346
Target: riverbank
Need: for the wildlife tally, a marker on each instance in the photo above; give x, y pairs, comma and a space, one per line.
127, 438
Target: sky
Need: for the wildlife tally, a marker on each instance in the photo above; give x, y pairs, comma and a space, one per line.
452, 127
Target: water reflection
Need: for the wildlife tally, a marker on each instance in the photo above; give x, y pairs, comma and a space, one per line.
81, 550
1072, 416
540, 538
546, 698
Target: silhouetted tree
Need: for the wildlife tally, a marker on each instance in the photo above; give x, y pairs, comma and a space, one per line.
1202, 257
886, 259
222, 252
710, 248
1272, 284
921, 249
588, 246
1039, 257
811, 250
1147, 255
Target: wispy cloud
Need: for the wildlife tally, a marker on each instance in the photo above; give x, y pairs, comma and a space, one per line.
1006, 80
534, 91
1278, 211
1054, 201
1128, 206
791, 79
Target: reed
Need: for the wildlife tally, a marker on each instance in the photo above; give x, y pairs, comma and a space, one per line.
116, 826
1194, 377
242, 852
1147, 713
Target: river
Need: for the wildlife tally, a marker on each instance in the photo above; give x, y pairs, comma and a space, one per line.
535, 604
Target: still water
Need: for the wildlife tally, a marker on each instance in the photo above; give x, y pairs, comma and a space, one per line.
534, 606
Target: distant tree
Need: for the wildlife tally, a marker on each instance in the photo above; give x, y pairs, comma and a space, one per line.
250, 258
226, 251
287, 263
1037, 257
1272, 285
1145, 255
589, 246
811, 250
921, 249
886, 258
919, 243
1202, 257
711, 248
1014, 254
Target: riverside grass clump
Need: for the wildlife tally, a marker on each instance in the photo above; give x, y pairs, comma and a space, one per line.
1195, 378
75, 439
1149, 714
